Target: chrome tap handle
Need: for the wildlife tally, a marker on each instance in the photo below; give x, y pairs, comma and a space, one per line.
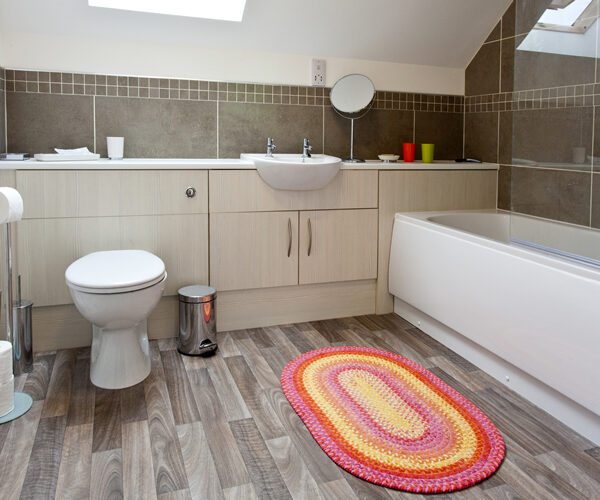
306, 148
270, 146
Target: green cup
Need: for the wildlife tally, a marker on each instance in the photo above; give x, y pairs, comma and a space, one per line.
427, 152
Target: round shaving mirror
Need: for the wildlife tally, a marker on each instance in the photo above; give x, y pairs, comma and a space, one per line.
352, 97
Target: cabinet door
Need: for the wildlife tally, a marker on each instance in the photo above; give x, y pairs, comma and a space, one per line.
253, 250
338, 245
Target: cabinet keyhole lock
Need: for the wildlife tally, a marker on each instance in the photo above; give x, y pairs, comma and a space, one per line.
190, 192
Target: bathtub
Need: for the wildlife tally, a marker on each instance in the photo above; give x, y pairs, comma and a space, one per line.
527, 317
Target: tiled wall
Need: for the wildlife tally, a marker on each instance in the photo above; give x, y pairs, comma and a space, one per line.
191, 118
528, 110
2, 117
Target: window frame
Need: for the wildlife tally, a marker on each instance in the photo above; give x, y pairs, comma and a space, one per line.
582, 23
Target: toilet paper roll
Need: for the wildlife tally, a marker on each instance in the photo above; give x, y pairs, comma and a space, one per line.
7, 396
6, 369
11, 205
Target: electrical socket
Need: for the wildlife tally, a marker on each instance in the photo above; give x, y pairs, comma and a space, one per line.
317, 73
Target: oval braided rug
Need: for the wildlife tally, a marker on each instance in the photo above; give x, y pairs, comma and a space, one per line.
388, 420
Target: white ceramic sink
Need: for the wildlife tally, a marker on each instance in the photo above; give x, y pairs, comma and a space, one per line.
294, 173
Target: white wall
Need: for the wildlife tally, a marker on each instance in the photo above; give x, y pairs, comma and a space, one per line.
106, 56
2, 57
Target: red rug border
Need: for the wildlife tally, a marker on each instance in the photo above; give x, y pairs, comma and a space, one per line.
411, 485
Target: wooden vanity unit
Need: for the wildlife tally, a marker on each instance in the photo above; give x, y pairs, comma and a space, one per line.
292, 256
274, 256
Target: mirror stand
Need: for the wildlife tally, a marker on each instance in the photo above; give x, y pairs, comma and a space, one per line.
352, 97
351, 158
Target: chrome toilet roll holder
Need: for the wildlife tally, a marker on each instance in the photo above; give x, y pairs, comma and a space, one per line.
17, 333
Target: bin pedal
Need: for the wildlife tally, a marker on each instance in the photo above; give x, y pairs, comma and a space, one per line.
207, 347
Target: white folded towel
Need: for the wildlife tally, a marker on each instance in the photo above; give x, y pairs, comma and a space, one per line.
77, 151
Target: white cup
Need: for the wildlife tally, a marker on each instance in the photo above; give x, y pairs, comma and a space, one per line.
115, 147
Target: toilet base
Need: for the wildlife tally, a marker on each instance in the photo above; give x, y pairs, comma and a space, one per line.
121, 357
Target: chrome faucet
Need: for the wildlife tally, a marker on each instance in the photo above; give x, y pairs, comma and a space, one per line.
306, 149
270, 147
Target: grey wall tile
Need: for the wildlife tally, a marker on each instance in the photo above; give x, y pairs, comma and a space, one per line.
445, 130
244, 128
596, 201
481, 136
504, 187
482, 76
337, 134
2, 124
37, 123
553, 194
549, 135
158, 128
378, 132
505, 136
381, 132
596, 162
527, 14
507, 65
508, 21
536, 70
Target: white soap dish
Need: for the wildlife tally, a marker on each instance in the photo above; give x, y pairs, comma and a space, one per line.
389, 158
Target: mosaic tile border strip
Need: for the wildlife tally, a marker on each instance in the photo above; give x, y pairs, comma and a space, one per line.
2, 82
572, 96
405, 101
43, 82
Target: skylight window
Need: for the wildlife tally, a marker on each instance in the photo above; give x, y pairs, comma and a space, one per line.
573, 16
224, 10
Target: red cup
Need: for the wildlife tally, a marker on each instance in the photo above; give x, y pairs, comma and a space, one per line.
408, 148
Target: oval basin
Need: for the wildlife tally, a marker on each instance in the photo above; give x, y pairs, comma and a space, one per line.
294, 173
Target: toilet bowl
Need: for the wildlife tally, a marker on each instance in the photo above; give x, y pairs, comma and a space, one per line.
116, 291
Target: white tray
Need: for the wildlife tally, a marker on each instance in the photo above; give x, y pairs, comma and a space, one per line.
73, 157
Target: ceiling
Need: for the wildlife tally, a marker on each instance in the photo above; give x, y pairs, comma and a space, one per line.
428, 32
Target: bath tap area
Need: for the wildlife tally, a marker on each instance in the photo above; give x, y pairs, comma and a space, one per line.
237, 261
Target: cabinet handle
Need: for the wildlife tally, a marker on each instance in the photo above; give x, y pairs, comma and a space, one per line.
190, 192
309, 236
289, 237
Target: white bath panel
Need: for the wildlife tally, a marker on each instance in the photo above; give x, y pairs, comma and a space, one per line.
578, 418
537, 313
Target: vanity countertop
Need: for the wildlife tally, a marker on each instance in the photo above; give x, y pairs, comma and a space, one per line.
419, 165
222, 164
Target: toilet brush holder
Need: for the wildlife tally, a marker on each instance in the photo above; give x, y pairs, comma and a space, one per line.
22, 337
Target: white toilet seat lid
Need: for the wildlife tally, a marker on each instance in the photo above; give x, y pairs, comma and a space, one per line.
115, 270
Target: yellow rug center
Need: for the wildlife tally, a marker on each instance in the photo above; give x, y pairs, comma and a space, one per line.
388, 410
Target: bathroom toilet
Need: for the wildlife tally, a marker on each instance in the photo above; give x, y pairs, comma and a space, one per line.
116, 291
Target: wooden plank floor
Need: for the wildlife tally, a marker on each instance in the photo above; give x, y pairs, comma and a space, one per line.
221, 428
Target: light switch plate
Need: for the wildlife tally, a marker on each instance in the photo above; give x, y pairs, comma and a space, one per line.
317, 73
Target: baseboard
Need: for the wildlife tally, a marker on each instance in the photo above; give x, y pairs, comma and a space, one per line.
294, 304
575, 416
62, 327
